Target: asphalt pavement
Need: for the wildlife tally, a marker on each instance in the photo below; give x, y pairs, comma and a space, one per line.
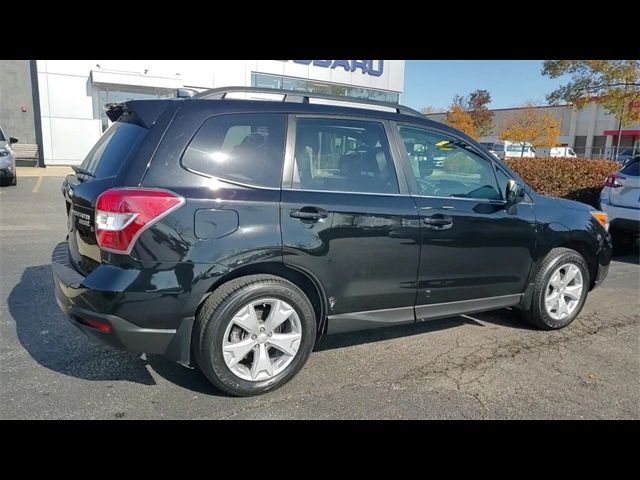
489, 365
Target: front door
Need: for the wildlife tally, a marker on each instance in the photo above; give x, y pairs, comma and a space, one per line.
475, 254
348, 220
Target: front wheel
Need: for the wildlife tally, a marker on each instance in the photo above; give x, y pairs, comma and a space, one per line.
560, 290
254, 334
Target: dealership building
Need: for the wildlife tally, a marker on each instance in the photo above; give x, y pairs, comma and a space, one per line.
592, 132
59, 104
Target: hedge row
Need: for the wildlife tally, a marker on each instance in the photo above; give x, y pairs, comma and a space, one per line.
572, 178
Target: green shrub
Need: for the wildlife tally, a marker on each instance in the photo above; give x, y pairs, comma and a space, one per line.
571, 178
461, 163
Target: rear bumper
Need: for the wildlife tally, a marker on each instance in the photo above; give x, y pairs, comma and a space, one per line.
622, 218
628, 225
78, 302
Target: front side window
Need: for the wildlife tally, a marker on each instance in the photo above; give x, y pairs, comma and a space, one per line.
446, 167
244, 148
344, 156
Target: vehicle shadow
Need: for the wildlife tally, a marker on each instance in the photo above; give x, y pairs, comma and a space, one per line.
504, 317
631, 255
56, 344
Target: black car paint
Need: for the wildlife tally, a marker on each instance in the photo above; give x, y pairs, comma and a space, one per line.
371, 252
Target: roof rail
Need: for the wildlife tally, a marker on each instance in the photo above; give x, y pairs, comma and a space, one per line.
303, 97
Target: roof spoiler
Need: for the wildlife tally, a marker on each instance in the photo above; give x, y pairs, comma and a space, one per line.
143, 112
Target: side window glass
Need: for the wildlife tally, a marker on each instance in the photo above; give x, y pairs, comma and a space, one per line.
246, 148
446, 167
344, 156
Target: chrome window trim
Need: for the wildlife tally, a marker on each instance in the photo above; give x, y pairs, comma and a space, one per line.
289, 189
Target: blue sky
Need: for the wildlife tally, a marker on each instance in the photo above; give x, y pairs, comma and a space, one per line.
510, 82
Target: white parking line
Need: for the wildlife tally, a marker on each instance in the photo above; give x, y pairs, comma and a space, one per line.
37, 185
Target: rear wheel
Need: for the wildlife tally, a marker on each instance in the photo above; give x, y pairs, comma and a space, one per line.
560, 290
254, 334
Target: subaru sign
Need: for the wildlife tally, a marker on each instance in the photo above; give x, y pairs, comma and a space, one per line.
371, 67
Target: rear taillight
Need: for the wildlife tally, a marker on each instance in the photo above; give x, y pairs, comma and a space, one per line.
613, 181
122, 214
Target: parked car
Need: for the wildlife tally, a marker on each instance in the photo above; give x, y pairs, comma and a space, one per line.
514, 150
8, 174
566, 152
232, 234
620, 199
627, 155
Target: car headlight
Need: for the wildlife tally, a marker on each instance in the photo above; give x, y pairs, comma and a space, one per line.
602, 218
4, 152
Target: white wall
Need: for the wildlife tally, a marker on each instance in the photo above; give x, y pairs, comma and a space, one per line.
70, 126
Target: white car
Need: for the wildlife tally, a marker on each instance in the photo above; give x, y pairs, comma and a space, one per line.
7, 161
620, 199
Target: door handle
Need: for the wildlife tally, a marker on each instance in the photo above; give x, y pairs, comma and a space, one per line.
438, 222
309, 214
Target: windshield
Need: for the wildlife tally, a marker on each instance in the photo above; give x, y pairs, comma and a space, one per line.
2, 137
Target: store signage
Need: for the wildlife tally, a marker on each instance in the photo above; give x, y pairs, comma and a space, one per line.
370, 67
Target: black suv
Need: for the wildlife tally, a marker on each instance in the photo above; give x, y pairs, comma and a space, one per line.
231, 234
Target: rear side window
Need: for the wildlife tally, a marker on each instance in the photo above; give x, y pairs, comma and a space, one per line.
632, 169
343, 155
116, 146
245, 148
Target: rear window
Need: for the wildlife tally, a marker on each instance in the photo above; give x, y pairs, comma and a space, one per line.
114, 149
632, 169
245, 148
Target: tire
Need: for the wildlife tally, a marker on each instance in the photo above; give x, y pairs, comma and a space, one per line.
218, 315
14, 182
538, 315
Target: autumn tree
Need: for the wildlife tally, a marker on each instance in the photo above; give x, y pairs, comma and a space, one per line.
531, 125
615, 83
458, 118
475, 104
477, 107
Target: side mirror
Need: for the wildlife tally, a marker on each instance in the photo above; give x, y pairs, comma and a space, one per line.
515, 192
13, 140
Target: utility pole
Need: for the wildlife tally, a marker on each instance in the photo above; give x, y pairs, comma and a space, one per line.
619, 132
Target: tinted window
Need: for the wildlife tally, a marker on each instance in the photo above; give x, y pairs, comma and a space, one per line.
2, 137
245, 148
116, 146
632, 169
446, 167
344, 156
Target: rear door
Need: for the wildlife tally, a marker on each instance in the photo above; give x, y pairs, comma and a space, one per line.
628, 194
348, 221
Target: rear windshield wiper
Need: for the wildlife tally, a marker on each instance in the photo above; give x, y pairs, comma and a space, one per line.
82, 171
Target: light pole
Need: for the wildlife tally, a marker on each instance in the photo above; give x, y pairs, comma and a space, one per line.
619, 132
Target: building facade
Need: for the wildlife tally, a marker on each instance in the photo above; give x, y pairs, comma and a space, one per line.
592, 132
16, 100
72, 93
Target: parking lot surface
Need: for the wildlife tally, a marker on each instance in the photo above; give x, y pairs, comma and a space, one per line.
489, 365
